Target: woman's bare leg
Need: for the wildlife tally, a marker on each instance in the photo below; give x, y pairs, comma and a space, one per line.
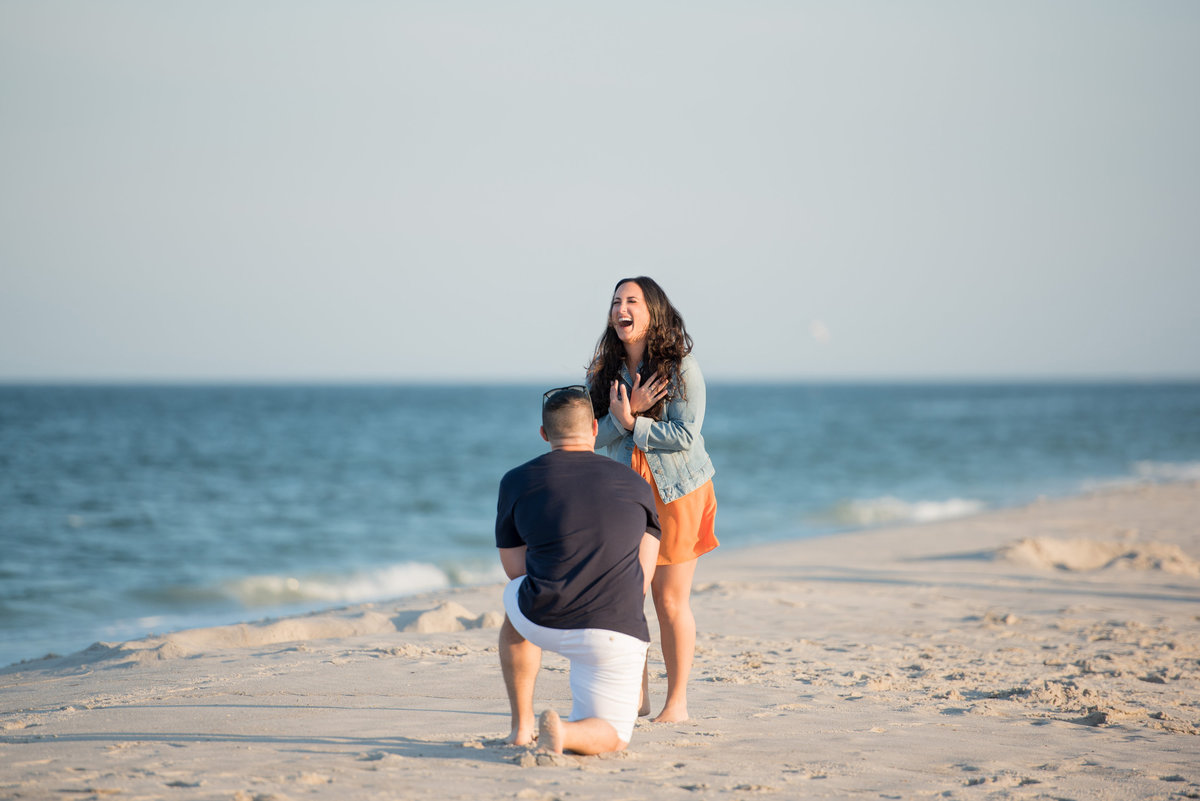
672, 590
644, 706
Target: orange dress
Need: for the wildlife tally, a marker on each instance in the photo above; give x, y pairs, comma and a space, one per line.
688, 524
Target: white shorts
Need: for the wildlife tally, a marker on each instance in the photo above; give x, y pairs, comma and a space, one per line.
606, 666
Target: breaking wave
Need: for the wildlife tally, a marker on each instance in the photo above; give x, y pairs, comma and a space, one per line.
393, 581
889, 509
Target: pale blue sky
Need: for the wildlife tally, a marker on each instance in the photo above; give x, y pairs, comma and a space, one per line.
426, 190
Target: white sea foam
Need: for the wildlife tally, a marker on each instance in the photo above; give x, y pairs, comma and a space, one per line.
1167, 471
388, 582
469, 576
1146, 472
889, 509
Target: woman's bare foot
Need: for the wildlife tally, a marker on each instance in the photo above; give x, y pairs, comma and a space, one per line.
550, 732
672, 713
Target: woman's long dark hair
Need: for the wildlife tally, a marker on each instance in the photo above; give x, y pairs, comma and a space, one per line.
667, 342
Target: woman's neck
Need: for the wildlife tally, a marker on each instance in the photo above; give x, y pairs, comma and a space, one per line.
634, 351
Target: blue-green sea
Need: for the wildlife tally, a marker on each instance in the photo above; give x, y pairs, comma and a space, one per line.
126, 510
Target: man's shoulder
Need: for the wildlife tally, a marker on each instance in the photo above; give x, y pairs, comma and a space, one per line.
593, 465
618, 471
621, 474
523, 469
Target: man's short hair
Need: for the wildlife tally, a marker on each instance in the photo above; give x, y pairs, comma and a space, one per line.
566, 411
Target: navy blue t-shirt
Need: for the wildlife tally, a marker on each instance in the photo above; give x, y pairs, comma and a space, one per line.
581, 517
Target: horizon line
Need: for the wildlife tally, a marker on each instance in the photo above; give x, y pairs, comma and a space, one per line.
313, 381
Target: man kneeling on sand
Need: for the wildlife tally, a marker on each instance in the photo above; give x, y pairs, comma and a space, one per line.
578, 537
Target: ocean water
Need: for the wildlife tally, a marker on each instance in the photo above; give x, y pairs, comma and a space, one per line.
128, 510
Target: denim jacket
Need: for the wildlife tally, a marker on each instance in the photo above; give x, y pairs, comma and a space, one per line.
673, 446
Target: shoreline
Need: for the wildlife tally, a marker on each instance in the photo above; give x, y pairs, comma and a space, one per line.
302, 609
1041, 650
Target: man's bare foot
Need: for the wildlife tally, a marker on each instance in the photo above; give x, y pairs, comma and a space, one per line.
672, 713
520, 738
550, 732
644, 706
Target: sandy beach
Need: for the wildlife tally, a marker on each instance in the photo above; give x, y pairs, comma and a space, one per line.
1050, 651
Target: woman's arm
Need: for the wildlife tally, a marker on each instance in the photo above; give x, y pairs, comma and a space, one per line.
608, 431
683, 418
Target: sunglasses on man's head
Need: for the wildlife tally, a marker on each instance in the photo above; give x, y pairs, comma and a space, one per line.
574, 389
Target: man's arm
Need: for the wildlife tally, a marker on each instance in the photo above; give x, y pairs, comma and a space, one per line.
648, 556
513, 561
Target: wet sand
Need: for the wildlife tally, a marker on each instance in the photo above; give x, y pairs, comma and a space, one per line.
1051, 651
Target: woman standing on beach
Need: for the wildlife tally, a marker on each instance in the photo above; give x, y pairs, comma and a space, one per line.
648, 395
